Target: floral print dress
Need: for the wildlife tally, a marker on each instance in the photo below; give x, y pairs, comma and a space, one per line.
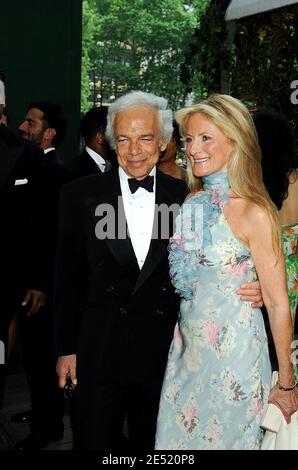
290, 242
218, 373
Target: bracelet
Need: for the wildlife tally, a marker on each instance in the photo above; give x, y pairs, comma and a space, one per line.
287, 389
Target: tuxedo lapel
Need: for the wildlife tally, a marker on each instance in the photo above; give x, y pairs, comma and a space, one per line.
117, 240
52, 158
88, 164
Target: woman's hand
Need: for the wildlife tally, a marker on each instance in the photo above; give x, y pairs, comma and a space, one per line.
287, 402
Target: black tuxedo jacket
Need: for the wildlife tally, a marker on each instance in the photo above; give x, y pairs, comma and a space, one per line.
56, 167
23, 234
83, 165
118, 319
53, 175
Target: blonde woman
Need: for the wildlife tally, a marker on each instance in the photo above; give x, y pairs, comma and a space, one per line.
217, 379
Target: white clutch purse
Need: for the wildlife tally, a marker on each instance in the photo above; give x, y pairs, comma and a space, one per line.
278, 434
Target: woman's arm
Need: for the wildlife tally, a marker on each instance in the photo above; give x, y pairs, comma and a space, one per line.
270, 268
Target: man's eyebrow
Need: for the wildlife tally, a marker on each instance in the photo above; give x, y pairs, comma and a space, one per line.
127, 137
29, 120
121, 135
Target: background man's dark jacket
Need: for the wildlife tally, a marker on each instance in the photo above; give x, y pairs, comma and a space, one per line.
83, 165
23, 233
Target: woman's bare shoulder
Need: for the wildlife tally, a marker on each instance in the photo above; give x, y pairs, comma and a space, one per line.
254, 213
244, 208
256, 223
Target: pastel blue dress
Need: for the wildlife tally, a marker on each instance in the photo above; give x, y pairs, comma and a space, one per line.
218, 373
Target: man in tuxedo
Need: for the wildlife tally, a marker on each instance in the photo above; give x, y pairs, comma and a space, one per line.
45, 126
115, 307
97, 154
24, 263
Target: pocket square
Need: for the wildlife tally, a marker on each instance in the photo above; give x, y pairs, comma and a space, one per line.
19, 182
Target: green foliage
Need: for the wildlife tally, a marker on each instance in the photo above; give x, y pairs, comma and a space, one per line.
206, 57
136, 45
257, 65
265, 58
171, 48
89, 21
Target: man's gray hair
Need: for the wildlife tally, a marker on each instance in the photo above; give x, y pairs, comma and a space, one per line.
140, 98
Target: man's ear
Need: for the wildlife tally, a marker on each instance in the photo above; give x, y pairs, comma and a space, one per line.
162, 146
100, 138
49, 134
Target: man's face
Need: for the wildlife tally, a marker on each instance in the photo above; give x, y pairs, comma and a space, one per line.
33, 127
137, 140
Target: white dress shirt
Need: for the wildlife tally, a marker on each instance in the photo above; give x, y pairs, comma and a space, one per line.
100, 162
139, 212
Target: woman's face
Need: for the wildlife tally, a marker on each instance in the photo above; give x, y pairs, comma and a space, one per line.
207, 148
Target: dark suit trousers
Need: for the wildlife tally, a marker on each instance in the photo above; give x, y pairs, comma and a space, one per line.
40, 366
101, 410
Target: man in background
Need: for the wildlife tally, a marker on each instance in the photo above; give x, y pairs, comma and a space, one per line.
45, 126
24, 261
167, 159
97, 156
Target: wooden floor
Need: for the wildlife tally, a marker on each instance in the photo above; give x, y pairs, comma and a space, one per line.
16, 399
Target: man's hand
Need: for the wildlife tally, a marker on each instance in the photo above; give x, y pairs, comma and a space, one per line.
251, 292
36, 298
66, 366
287, 402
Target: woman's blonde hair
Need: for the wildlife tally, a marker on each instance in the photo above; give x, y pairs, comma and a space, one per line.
244, 166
